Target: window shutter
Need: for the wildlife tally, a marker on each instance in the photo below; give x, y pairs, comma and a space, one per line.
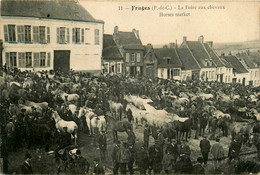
49, 59
68, 35
21, 32
19, 57
73, 35
36, 59
82, 35
35, 34
6, 33
48, 35
7, 59
58, 35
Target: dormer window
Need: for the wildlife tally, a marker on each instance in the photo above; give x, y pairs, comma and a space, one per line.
168, 59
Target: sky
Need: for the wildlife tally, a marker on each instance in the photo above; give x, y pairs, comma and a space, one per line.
237, 22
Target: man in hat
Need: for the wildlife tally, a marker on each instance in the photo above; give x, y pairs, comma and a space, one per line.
142, 159
205, 149
156, 156
26, 168
115, 157
184, 165
102, 141
185, 149
98, 168
10, 130
197, 167
80, 163
124, 155
131, 137
234, 150
168, 162
173, 149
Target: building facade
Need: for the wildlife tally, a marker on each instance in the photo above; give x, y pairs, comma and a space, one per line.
50, 35
150, 62
132, 50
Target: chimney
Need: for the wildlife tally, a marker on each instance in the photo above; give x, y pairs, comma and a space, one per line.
238, 54
184, 39
222, 55
136, 32
149, 45
201, 38
229, 53
176, 44
210, 43
171, 45
115, 29
248, 51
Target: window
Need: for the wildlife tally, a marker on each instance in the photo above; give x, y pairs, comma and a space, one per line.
106, 68
49, 59
176, 72
76, 35
118, 67
138, 57
132, 57
168, 61
28, 59
138, 70
27, 33
68, 35
96, 36
21, 57
87, 33
127, 57
12, 62
42, 34
42, 59
11, 33
82, 35
61, 35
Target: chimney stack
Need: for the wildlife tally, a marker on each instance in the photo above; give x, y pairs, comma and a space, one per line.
149, 45
248, 51
184, 39
176, 44
229, 53
201, 38
136, 32
222, 55
116, 29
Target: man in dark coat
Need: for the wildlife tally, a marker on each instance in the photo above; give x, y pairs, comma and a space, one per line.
234, 150
146, 136
184, 165
142, 159
26, 168
80, 164
156, 156
132, 159
98, 168
115, 157
173, 149
102, 141
131, 138
124, 155
205, 149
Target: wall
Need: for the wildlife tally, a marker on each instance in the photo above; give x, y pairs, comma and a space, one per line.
82, 57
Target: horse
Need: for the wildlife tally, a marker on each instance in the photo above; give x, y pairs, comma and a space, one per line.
95, 123
65, 126
115, 108
118, 126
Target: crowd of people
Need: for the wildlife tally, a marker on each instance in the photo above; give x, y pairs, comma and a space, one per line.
23, 125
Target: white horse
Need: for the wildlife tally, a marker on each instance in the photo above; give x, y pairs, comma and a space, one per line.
115, 109
65, 126
94, 122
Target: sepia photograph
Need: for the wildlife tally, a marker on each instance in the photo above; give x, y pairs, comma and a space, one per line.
129, 87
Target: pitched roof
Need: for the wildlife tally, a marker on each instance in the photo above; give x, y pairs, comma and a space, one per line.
249, 63
188, 62
110, 49
236, 64
129, 41
214, 56
163, 53
255, 57
68, 10
199, 52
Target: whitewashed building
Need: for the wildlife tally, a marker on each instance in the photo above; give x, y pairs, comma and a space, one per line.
50, 35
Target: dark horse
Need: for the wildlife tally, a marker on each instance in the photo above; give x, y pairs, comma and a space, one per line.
118, 126
185, 127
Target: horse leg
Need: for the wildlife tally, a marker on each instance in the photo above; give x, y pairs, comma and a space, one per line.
75, 137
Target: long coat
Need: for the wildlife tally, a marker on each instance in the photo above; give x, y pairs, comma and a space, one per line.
205, 146
217, 151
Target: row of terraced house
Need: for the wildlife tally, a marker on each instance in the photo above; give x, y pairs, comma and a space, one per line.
124, 53
63, 35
